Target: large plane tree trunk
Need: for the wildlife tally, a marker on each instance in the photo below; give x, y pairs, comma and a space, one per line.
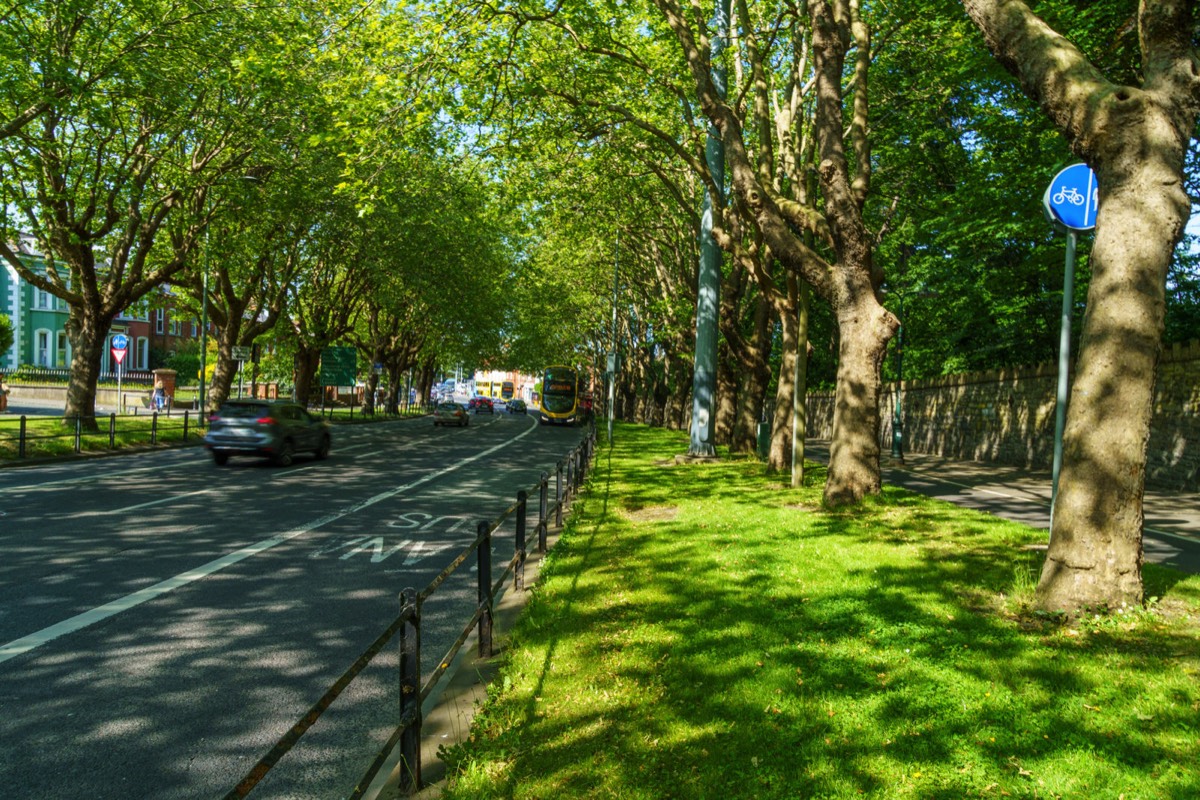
1135, 138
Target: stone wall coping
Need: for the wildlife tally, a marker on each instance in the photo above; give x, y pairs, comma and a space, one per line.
1174, 353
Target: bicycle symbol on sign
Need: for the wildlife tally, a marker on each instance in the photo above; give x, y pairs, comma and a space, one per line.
1071, 195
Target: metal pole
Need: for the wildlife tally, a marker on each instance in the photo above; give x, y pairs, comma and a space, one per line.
410, 691
611, 364
1064, 362
484, 584
522, 511
897, 419
201, 401
543, 521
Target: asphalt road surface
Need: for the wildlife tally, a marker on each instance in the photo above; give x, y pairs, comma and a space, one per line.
163, 621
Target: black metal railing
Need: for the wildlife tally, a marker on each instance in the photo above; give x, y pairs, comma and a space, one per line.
97, 432
568, 479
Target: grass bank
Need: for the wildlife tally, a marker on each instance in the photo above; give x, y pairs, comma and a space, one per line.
707, 632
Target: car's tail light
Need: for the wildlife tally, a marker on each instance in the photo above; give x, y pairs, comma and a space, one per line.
265, 420
214, 418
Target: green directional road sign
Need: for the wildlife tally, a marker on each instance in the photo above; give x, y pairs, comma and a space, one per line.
338, 366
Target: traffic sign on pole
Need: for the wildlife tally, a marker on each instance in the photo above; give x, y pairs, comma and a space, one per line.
120, 342
1072, 198
119, 355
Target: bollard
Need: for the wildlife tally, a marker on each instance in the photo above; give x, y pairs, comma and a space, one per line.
543, 522
519, 572
112, 431
154, 428
78, 433
410, 692
484, 575
185, 424
21, 440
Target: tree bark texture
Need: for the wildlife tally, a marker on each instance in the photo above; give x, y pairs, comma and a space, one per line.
1134, 138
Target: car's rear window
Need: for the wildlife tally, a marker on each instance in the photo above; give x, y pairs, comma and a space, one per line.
448, 407
241, 410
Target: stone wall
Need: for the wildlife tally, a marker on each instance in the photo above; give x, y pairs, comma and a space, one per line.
1007, 416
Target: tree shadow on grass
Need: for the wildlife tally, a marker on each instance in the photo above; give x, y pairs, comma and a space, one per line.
792, 654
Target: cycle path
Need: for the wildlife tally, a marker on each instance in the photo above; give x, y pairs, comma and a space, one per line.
1172, 527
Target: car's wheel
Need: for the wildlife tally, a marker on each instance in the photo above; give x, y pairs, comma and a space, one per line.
283, 458
323, 449
219, 458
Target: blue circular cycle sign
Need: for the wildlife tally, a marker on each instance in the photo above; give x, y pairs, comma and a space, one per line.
1073, 198
120, 341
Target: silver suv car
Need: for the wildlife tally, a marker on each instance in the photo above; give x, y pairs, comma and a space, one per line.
271, 428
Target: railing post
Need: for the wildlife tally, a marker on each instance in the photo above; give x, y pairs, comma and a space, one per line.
558, 494
154, 428
410, 691
543, 522
570, 475
185, 424
112, 431
522, 510
21, 439
78, 433
484, 575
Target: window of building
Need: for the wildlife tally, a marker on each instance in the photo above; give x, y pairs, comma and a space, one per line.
41, 344
175, 327
195, 330
61, 349
160, 317
43, 301
143, 353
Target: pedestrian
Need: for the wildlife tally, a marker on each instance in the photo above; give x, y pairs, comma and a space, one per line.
3, 395
160, 394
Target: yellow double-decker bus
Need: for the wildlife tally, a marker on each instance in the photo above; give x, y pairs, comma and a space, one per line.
560, 396
507, 390
483, 388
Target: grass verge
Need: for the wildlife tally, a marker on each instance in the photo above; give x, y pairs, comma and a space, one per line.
708, 632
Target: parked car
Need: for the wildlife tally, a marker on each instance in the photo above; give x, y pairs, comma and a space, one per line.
450, 413
482, 404
516, 406
276, 429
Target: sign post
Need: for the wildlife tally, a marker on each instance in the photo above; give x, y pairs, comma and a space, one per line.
241, 354
1071, 201
120, 346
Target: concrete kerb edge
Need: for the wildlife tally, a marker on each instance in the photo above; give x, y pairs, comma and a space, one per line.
450, 708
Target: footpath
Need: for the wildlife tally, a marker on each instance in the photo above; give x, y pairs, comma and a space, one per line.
1172, 528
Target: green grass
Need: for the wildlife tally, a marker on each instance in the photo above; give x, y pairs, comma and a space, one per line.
707, 632
50, 436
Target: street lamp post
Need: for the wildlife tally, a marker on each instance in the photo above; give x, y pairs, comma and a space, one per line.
202, 400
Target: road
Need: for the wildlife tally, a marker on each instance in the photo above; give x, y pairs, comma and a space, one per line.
164, 621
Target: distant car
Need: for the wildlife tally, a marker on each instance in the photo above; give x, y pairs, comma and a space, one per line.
482, 404
450, 413
499, 404
516, 406
272, 428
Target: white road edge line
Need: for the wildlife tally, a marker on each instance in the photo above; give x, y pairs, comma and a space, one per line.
80, 621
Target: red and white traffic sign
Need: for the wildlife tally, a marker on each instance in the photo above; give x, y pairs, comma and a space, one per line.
119, 355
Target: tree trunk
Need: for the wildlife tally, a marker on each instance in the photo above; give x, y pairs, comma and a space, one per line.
780, 457
306, 372
854, 449
725, 403
87, 335
223, 374
1095, 554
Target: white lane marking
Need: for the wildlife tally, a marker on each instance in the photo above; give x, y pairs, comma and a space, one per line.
80, 621
157, 502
